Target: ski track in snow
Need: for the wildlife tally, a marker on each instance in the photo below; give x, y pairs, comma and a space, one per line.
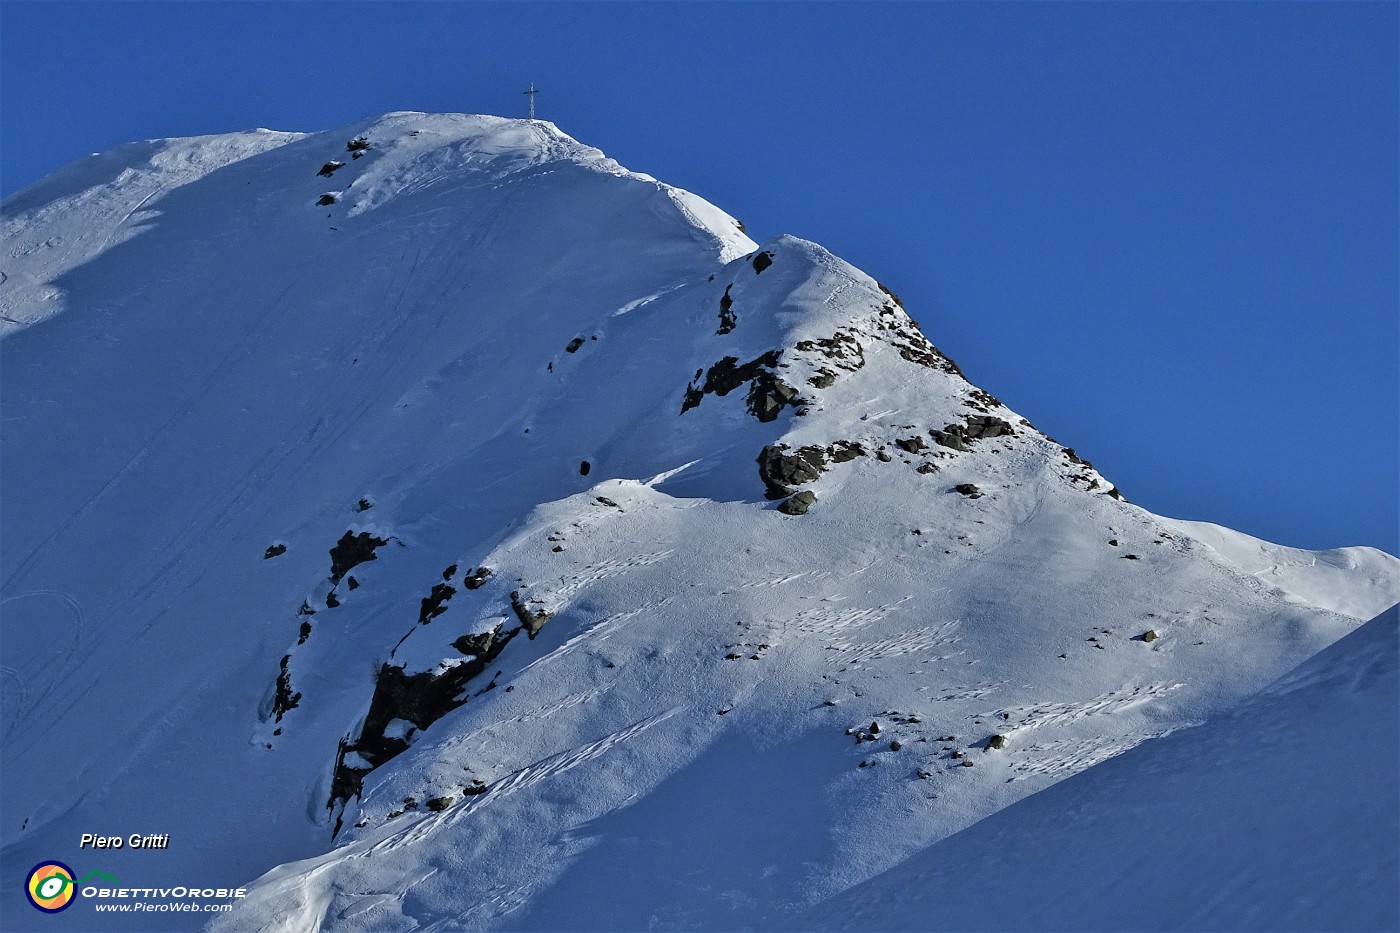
519, 781
830, 622
544, 712
596, 632
1025, 718
910, 642
1070, 756
609, 568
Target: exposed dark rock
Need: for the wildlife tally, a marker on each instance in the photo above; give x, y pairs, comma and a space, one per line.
892, 295
286, 698
304, 633
984, 400
968, 489
604, 500
727, 320
451, 569
475, 788
1149, 635
909, 340
997, 741
910, 444
477, 578
329, 168
823, 379
364, 505
767, 396
883, 455
951, 437
275, 550
351, 551
762, 261
798, 503
896, 745
421, 699
358, 144
306, 609
1131, 557
927, 468
1113, 542
574, 345
842, 348
325, 200
780, 470
352, 583
980, 426
435, 604
532, 619
584, 468
977, 427
332, 601
841, 451
767, 393
480, 644
438, 804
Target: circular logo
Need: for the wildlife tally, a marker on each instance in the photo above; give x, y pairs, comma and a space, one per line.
50, 887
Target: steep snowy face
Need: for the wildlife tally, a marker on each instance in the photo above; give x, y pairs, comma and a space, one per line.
459, 521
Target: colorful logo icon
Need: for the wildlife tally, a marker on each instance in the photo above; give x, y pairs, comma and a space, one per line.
50, 887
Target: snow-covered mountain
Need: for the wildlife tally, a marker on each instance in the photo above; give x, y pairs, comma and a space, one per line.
433, 525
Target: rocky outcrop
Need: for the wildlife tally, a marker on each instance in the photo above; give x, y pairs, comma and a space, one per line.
768, 394
532, 619
435, 603
420, 699
976, 428
780, 470
842, 451
351, 551
285, 698
727, 320
843, 350
798, 503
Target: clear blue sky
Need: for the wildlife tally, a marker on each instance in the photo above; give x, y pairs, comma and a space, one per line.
1167, 234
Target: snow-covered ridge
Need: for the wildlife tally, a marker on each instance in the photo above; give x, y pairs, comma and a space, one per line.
99, 202
459, 521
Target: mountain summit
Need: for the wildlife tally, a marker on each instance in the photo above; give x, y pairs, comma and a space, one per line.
449, 528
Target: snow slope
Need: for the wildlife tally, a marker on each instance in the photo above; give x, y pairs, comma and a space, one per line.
1281, 815
451, 475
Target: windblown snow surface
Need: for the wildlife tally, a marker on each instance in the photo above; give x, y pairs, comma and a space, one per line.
1280, 815
409, 520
